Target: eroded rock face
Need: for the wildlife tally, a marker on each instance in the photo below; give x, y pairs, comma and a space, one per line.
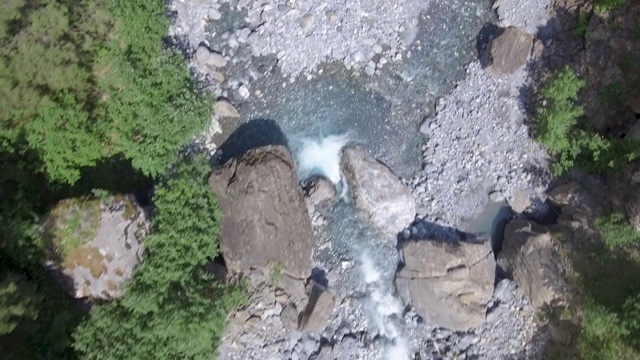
529, 257
509, 51
377, 191
111, 244
264, 217
447, 283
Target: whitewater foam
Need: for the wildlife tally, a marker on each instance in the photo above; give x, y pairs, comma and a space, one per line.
322, 157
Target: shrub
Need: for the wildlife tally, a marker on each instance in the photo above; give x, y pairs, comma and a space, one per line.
616, 231
172, 309
557, 129
607, 5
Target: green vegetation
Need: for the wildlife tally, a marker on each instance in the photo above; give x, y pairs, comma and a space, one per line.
94, 99
558, 130
86, 80
73, 223
582, 23
607, 5
276, 273
172, 309
616, 231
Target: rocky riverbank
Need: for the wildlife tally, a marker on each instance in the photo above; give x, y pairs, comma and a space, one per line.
359, 297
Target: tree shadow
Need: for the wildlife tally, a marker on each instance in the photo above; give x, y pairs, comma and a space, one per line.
250, 135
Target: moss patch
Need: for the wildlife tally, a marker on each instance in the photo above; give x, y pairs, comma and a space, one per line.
88, 257
71, 224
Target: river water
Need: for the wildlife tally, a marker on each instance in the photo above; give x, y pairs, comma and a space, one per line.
316, 117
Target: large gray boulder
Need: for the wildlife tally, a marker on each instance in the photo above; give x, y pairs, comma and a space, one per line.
265, 224
528, 255
509, 51
98, 243
447, 282
377, 191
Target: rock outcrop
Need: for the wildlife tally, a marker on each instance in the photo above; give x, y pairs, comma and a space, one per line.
509, 51
109, 246
264, 218
447, 282
377, 191
320, 190
319, 307
624, 188
528, 256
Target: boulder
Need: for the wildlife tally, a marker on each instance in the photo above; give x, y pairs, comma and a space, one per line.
319, 307
224, 108
377, 191
578, 203
447, 282
509, 51
320, 190
264, 217
209, 59
529, 257
109, 234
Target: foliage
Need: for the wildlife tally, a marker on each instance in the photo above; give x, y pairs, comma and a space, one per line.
602, 336
276, 273
38, 317
582, 23
172, 309
17, 300
557, 129
616, 231
85, 80
607, 5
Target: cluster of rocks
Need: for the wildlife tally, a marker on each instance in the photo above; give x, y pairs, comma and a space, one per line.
448, 307
478, 142
303, 34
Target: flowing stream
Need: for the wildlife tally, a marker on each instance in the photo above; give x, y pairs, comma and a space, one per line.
318, 116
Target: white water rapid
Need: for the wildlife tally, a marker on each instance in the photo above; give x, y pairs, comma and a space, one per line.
375, 272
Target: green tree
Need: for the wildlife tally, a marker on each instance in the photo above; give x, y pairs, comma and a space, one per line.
570, 145
172, 309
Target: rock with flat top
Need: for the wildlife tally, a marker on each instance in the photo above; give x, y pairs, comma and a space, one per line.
529, 257
377, 191
509, 51
448, 283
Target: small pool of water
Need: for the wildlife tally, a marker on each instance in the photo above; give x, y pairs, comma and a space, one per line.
492, 221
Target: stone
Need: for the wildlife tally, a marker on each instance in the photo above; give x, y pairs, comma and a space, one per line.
578, 203
316, 314
214, 14
306, 22
224, 108
320, 190
448, 283
216, 60
520, 201
529, 257
289, 317
110, 255
210, 59
509, 51
377, 191
264, 216
496, 196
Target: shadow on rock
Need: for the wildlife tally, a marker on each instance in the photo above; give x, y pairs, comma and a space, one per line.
250, 135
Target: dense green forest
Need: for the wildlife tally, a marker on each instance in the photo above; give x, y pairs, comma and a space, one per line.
93, 98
